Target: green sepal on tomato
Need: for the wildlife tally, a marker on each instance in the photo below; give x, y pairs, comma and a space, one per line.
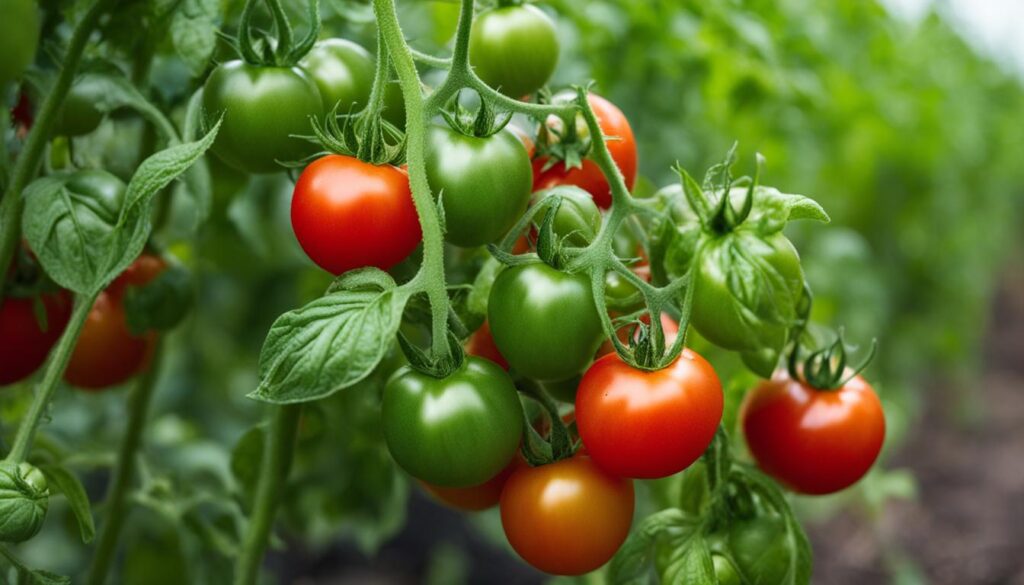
264, 109
648, 424
543, 321
349, 214
621, 145
813, 441
107, 353
343, 72
458, 431
577, 220
514, 49
483, 181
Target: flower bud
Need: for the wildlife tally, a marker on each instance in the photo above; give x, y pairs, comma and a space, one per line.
24, 499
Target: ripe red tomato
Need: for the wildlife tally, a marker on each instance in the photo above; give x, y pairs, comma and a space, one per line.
813, 441
350, 214
567, 517
23, 344
621, 145
477, 497
107, 353
648, 424
481, 344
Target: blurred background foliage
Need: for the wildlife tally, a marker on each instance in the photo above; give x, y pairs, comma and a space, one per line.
910, 140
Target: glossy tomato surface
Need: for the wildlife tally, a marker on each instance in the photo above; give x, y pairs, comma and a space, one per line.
567, 518
458, 431
481, 344
343, 72
24, 341
477, 497
813, 441
544, 322
648, 424
514, 49
621, 145
350, 214
484, 183
107, 352
263, 108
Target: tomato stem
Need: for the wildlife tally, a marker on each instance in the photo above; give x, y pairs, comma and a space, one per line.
51, 378
117, 491
12, 204
274, 468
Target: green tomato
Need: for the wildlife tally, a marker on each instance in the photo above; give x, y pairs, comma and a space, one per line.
19, 38
79, 114
99, 192
578, 219
514, 49
457, 431
620, 294
725, 572
263, 108
343, 72
747, 289
544, 322
484, 183
760, 550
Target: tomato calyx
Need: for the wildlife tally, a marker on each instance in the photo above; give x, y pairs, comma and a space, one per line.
563, 140
484, 123
535, 448
826, 368
435, 367
721, 216
282, 51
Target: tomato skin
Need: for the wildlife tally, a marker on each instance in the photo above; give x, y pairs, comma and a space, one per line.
544, 322
19, 38
478, 497
343, 72
107, 353
813, 441
23, 345
262, 107
643, 424
79, 114
514, 49
484, 183
578, 219
481, 344
349, 214
589, 176
568, 517
459, 431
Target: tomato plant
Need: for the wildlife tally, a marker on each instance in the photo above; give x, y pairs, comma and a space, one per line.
19, 38
477, 497
349, 214
343, 73
568, 517
644, 424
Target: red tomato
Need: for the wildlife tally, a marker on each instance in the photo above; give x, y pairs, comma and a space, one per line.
648, 424
621, 145
567, 517
478, 497
813, 441
107, 354
350, 214
481, 344
23, 344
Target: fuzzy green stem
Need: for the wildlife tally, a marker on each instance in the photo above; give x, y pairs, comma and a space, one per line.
277, 459
12, 204
116, 511
58, 361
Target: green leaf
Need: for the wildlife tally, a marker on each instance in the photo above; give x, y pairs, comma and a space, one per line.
67, 483
33, 576
194, 32
689, 562
761, 566
633, 562
330, 344
193, 195
161, 303
110, 90
773, 209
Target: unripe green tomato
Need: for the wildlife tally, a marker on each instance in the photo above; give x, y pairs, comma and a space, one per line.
19, 38
578, 219
24, 501
543, 321
724, 571
79, 114
458, 431
484, 183
620, 294
514, 49
343, 72
263, 108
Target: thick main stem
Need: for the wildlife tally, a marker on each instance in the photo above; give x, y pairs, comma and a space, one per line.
432, 270
59, 358
277, 460
12, 204
116, 511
